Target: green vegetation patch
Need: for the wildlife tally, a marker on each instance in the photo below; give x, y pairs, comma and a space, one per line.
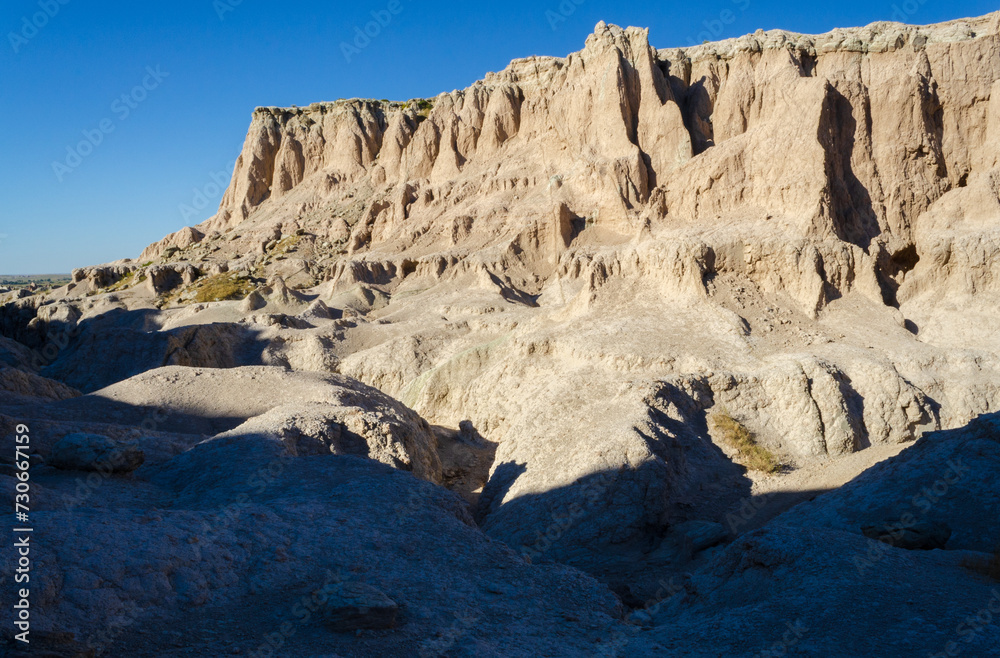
127, 281
752, 455
222, 287
422, 106
288, 244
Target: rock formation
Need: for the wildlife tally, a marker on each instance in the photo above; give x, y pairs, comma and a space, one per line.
566, 308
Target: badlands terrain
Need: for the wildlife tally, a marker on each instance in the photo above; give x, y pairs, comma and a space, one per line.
635, 352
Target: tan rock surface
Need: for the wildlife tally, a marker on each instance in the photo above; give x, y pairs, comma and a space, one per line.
571, 265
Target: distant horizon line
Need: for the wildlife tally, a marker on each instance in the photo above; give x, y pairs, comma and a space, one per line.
36, 276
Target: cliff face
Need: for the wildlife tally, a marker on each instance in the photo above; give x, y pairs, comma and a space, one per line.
618, 186
582, 287
582, 260
845, 140
631, 305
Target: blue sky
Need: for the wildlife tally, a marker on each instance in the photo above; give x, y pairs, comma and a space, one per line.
161, 92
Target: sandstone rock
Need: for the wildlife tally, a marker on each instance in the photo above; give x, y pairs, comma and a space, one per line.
62, 314
102, 276
164, 278
92, 452
385, 432
317, 311
28, 384
918, 536
576, 262
219, 345
13, 354
182, 239
309, 413
699, 535
783, 571
800, 95
279, 293
357, 606
215, 269
204, 547
898, 495
252, 302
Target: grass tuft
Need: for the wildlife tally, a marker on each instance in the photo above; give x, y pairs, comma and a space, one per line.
127, 281
222, 287
741, 439
422, 106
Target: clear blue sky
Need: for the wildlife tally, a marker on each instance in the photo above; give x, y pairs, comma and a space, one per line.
158, 147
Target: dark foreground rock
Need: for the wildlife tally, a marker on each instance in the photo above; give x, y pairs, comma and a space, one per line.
904, 533
793, 586
241, 545
92, 452
357, 606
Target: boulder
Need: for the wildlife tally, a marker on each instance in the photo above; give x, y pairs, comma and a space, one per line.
358, 606
277, 291
14, 354
318, 311
93, 452
700, 534
21, 382
252, 302
161, 279
182, 239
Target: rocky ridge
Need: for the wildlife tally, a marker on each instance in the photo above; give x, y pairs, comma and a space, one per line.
543, 292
